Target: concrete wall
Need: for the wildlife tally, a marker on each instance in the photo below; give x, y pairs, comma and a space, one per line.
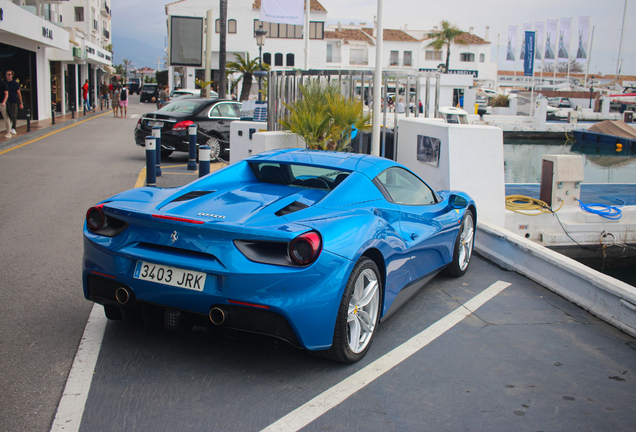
470, 160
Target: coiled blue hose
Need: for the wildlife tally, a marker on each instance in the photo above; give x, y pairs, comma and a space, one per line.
604, 210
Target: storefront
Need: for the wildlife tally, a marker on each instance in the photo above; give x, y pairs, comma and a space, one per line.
28, 43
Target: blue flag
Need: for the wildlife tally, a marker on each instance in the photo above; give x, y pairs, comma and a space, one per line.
528, 58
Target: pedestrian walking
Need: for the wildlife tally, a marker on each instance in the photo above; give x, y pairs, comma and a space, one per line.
4, 96
116, 107
163, 96
123, 100
15, 99
104, 91
87, 103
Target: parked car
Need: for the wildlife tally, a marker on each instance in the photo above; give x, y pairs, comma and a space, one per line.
311, 247
148, 91
212, 117
559, 102
133, 87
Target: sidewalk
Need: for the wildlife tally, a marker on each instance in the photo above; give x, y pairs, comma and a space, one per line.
42, 127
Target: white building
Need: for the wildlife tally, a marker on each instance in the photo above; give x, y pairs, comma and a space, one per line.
53, 46
284, 45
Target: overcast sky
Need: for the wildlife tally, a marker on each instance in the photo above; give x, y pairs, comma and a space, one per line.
145, 20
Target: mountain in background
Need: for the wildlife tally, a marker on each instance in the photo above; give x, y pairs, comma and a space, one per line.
139, 53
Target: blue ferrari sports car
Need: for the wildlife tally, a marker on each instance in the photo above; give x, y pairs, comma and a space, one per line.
312, 247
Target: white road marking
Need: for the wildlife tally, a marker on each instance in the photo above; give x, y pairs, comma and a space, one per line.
71, 407
327, 400
135, 116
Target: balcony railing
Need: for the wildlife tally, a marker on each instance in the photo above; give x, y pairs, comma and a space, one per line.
106, 34
358, 61
105, 9
334, 59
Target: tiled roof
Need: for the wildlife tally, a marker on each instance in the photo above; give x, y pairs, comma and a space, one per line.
392, 35
349, 35
314, 5
471, 39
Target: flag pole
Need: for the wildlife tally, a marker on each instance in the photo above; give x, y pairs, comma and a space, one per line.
306, 35
377, 84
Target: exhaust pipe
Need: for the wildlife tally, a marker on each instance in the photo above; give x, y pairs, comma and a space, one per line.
122, 295
217, 316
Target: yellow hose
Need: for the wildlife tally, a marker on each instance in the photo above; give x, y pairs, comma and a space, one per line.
521, 204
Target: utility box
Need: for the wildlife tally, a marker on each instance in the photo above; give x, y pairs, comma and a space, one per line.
573, 117
241, 138
628, 116
561, 178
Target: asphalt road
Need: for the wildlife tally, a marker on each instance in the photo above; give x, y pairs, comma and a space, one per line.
46, 188
524, 360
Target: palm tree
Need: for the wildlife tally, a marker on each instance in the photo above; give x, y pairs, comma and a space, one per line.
246, 68
324, 118
127, 65
445, 37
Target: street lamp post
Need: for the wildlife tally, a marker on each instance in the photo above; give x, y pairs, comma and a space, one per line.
260, 41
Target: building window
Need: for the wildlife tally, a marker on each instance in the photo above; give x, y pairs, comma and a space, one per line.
289, 31
231, 26
79, 13
433, 55
329, 53
467, 57
408, 55
278, 59
290, 60
482, 58
316, 30
395, 58
267, 58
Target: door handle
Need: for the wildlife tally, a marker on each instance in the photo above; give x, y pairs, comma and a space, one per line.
414, 236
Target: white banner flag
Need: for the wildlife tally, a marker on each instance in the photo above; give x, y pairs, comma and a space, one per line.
283, 11
584, 29
564, 39
511, 49
540, 28
550, 41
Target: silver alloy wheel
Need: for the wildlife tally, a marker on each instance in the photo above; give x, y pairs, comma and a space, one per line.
466, 239
215, 148
364, 306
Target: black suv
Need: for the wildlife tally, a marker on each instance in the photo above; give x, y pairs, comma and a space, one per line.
148, 91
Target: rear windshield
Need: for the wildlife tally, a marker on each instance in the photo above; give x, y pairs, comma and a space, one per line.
185, 106
306, 176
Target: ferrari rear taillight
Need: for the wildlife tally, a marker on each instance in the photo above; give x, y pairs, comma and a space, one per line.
99, 223
95, 218
182, 125
304, 249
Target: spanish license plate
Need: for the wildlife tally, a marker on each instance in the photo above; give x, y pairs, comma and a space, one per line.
155, 124
172, 276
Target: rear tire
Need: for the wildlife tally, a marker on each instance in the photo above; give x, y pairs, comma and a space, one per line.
358, 315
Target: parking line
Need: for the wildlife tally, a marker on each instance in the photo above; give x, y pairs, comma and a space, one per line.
337, 394
71, 407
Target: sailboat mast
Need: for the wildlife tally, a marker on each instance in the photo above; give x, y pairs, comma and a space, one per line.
620, 45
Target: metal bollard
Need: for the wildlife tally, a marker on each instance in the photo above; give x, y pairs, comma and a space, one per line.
84, 106
73, 110
151, 162
53, 114
156, 132
204, 160
192, 163
28, 118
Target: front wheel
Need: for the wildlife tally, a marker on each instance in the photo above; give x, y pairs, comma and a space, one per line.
463, 249
358, 315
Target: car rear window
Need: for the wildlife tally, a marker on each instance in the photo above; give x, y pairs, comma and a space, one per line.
185, 106
306, 176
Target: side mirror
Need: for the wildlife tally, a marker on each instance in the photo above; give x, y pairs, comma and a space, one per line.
457, 202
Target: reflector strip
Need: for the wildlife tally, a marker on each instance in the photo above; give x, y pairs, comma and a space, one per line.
178, 219
248, 304
103, 274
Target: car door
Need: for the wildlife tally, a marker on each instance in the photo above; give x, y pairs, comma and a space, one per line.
427, 223
221, 115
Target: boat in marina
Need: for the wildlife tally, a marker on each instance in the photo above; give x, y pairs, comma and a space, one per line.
614, 133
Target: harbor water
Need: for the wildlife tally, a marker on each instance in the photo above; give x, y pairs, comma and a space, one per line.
522, 161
